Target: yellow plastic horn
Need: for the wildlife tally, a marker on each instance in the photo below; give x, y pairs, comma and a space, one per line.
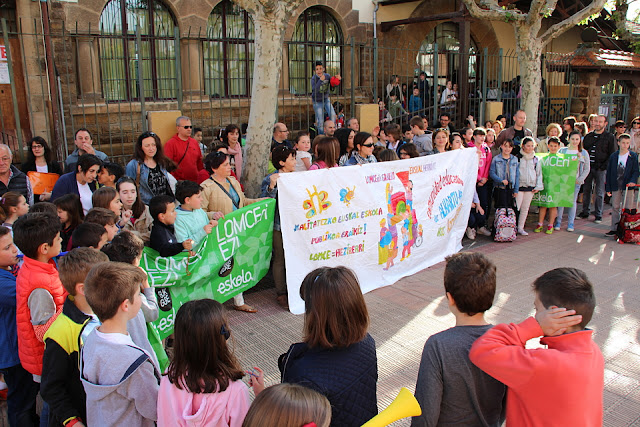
403, 406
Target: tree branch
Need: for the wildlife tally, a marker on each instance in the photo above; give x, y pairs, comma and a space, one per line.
535, 11
562, 26
619, 16
493, 11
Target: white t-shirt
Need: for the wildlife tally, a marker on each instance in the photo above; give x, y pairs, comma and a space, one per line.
85, 197
300, 167
622, 159
42, 169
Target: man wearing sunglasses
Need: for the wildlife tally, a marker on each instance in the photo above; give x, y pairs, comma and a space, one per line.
185, 151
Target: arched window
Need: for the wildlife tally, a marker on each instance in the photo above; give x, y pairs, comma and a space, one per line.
121, 59
228, 51
447, 37
316, 37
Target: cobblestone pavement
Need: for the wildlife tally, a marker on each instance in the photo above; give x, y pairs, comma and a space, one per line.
405, 314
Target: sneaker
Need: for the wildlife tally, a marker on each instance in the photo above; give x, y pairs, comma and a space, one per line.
598, 220
522, 232
538, 228
549, 230
569, 229
610, 233
484, 231
557, 228
583, 215
471, 233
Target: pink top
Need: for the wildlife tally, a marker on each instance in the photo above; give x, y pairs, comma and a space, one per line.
181, 408
319, 165
484, 163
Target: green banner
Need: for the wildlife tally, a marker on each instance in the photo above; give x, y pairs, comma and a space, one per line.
559, 177
230, 260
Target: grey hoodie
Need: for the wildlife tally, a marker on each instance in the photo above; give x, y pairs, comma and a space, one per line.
423, 142
121, 383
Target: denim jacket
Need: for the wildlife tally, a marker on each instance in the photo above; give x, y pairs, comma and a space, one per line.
132, 170
498, 171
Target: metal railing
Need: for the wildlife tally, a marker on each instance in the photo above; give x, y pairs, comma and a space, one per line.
99, 76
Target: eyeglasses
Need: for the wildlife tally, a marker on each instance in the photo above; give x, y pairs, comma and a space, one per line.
283, 130
367, 145
36, 146
636, 123
442, 130
186, 127
5, 159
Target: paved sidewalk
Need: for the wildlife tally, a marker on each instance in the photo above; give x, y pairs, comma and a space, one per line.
404, 315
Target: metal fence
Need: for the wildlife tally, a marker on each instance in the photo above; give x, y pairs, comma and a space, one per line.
71, 78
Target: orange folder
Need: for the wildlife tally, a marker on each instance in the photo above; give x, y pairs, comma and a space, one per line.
42, 182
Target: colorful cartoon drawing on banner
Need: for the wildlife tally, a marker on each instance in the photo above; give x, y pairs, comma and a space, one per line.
347, 194
400, 213
321, 198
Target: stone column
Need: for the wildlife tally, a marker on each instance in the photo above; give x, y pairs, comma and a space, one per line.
88, 67
192, 68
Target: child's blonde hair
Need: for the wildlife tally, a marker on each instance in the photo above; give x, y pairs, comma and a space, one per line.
288, 405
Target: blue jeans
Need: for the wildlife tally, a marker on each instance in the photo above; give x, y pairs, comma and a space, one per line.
572, 210
21, 399
320, 108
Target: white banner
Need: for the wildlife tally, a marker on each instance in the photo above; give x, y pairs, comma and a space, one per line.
384, 220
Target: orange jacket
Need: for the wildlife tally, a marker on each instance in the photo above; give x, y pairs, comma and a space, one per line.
558, 386
34, 274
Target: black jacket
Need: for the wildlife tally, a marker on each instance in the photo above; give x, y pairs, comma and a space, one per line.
163, 239
61, 387
345, 376
53, 167
605, 144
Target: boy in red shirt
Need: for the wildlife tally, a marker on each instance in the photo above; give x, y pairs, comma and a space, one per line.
559, 385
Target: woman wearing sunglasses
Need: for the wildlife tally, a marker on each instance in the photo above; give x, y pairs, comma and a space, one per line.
221, 194
150, 168
362, 150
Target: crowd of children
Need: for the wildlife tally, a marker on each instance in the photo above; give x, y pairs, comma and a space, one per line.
75, 300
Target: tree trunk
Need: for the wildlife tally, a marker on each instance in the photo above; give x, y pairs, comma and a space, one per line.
530, 57
269, 37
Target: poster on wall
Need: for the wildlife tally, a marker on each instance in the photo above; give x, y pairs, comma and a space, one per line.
4, 67
383, 220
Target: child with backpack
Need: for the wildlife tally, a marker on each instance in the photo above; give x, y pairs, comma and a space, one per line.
203, 385
505, 173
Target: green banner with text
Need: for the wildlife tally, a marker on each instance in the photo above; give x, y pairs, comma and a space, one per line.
559, 173
230, 260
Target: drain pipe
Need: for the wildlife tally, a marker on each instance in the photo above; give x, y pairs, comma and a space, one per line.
375, 50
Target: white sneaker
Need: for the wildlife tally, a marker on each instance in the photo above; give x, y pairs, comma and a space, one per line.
570, 229
484, 231
522, 232
471, 233
557, 228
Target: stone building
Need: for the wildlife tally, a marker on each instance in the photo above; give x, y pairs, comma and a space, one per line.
87, 62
